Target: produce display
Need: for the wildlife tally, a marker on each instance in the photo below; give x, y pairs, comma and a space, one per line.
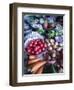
43, 44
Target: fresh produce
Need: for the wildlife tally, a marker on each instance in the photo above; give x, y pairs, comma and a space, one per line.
36, 47
43, 44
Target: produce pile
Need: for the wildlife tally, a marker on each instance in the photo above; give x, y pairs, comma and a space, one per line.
43, 44
36, 47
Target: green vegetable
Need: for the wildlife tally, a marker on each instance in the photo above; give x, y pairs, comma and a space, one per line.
41, 31
51, 34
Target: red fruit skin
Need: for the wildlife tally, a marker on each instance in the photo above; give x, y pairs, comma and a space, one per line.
29, 51
33, 52
36, 47
30, 45
41, 45
40, 51
39, 42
